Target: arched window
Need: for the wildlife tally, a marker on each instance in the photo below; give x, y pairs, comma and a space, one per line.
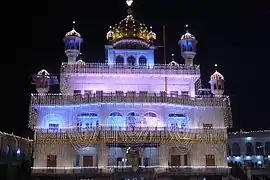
133, 120
150, 119
249, 149
142, 61
131, 60
116, 119
87, 120
267, 148
259, 148
119, 60
236, 149
177, 120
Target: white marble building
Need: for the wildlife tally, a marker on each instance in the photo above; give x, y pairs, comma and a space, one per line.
129, 114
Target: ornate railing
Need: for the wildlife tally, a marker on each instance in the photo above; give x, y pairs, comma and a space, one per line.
100, 68
65, 99
133, 135
171, 170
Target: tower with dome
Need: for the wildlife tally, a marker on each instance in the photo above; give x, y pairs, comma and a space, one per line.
129, 117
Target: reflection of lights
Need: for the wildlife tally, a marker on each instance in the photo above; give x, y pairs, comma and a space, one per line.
237, 158
18, 152
248, 138
259, 162
248, 157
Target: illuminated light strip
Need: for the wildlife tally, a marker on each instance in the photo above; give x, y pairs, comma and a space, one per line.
145, 167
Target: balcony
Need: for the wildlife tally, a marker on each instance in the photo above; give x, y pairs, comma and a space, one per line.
134, 135
101, 68
169, 171
71, 99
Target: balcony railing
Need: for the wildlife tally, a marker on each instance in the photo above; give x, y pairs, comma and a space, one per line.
171, 170
101, 68
68, 99
132, 135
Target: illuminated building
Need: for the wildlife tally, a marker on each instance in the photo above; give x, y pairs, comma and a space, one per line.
251, 151
130, 117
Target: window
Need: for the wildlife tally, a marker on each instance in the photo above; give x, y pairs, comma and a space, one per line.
119, 60
87, 92
131, 60
77, 92
142, 61
236, 149
259, 148
215, 86
210, 160
184, 93
249, 149
219, 87
267, 148
53, 126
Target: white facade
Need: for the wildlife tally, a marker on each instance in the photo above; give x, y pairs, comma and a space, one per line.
130, 112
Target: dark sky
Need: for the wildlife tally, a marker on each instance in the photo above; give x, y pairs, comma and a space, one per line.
233, 35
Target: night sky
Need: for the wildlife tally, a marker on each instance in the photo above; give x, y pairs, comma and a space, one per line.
235, 36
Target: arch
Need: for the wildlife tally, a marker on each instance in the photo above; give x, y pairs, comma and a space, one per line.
177, 120
267, 148
150, 119
119, 59
236, 149
133, 120
131, 60
249, 149
87, 120
115, 119
259, 148
142, 61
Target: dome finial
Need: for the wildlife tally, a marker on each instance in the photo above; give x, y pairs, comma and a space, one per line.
186, 27
129, 2
73, 24
216, 66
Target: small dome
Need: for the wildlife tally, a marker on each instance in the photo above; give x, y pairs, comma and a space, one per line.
217, 76
43, 72
73, 32
187, 35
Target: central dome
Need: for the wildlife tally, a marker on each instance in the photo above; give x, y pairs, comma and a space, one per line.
131, 29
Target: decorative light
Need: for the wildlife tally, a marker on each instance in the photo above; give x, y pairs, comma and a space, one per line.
129, 2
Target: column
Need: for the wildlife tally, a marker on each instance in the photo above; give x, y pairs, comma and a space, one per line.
182, 159
102, 155
163, 154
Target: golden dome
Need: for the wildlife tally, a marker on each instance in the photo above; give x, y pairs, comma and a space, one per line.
129, 28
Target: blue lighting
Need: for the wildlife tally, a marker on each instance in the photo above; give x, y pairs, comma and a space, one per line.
248, 138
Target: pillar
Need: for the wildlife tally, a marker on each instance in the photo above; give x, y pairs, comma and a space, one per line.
163, 154
102, 155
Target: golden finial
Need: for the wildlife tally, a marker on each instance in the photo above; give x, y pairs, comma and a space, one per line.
186, 27
73, 24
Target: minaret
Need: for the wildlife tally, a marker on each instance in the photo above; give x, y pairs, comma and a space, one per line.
217, 83
72, 42
188, 44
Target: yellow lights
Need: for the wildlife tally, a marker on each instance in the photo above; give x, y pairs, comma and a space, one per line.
130, 28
